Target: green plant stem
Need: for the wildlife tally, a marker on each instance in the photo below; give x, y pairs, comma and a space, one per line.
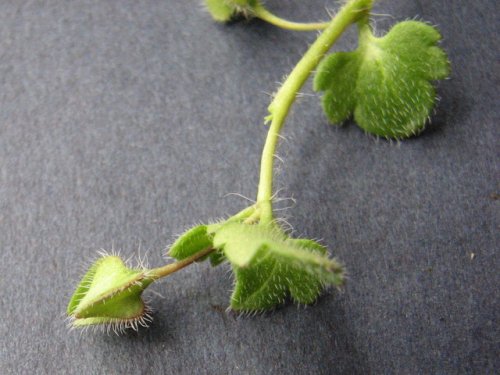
284, 98
365, 33
261, 12
243, 214
160, 272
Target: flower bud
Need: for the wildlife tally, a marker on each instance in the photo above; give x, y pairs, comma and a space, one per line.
110, 295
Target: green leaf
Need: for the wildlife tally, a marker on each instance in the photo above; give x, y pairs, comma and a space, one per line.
386, 82
193, 241
110, 294
226, 10
219, 10
268, 266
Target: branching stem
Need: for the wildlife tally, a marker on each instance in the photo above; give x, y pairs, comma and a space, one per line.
279, 108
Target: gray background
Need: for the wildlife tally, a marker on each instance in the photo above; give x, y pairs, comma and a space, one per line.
124, 122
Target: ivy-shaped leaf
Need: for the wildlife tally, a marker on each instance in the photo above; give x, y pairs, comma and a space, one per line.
268, 266
386, 82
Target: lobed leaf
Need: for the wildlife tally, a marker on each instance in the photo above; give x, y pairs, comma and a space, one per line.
385, 83
268, 266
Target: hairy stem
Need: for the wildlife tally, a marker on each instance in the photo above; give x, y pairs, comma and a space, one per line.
285, 97
243, 214
158, 273
261, 12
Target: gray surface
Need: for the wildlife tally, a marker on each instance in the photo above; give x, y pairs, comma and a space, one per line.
124, 122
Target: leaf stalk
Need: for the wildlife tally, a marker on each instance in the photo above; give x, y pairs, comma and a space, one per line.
261, 12
160, 272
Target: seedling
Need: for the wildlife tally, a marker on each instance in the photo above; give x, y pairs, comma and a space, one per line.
385, 85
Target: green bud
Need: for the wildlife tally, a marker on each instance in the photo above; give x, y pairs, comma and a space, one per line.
109, 296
